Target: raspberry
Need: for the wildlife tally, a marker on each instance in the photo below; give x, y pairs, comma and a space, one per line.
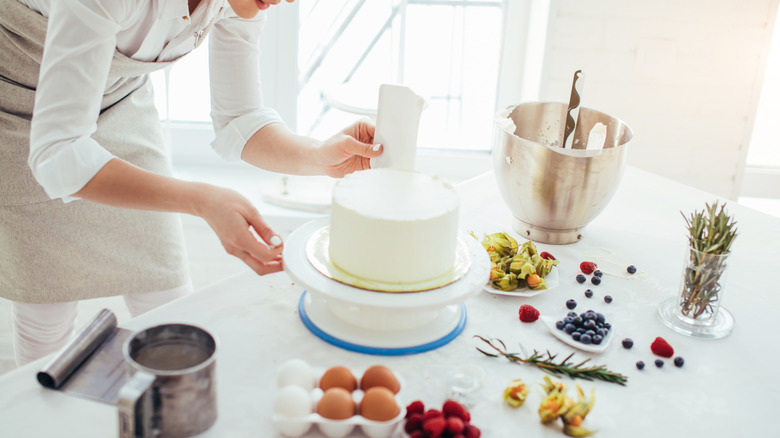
547, 255
434, 427
417, 434
661, 348
455, 425
528, 313
472, 431
431, 413
415, 407
452, 408
587, 267
413, 422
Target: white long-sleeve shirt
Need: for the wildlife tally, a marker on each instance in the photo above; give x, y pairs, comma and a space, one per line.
81, 38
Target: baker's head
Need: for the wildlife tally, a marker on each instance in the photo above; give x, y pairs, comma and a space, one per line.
250, 8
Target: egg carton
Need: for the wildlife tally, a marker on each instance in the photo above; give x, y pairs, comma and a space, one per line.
304, 395
296, 427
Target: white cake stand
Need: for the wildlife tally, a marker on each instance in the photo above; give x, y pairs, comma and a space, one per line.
357, 318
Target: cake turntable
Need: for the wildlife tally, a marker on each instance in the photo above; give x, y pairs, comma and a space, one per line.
375, 318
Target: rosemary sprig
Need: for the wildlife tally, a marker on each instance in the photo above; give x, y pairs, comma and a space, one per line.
546, 362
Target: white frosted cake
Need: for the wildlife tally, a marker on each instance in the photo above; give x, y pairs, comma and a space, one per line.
393, 226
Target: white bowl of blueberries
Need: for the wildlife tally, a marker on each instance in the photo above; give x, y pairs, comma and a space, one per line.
589, 330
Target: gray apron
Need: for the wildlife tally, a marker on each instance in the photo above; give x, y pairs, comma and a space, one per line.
54, 252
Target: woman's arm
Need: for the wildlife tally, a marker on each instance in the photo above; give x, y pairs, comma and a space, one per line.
247, 130
278, 149
121, 184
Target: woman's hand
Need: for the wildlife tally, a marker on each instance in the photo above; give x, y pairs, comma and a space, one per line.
349, 150
233, 218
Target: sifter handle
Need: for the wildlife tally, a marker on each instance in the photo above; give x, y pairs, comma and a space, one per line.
135, 406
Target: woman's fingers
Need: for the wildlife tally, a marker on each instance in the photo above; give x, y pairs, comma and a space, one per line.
264, 231
262, 268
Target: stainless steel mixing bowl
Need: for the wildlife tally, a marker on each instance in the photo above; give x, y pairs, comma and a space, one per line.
552, 192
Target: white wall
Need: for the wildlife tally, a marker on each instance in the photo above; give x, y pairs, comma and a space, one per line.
685, 75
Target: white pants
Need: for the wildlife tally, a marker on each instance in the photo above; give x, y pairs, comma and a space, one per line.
40, 329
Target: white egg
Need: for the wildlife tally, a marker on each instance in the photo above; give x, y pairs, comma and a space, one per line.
292, 402
296, 372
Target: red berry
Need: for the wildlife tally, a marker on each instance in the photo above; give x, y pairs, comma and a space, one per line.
434, 427
453, 408
528, 313
662, 348
587, 267
413, 422
417, 434
415, 407
431, 413
547, 255
472, 431
455, 424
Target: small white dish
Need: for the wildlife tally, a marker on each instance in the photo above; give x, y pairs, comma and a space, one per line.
552, 283
549, 322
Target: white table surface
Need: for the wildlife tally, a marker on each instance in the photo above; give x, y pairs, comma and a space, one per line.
727, 388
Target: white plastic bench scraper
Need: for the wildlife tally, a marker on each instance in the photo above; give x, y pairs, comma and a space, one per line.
397, 122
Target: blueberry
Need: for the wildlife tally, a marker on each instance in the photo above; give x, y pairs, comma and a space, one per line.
585, 339
571, 304
568, 320
628, 343
590, 332
659, 363
679, 361
572, 314
600, 318
597, 339
597, 273
607, 299
580, 330
631, 269
559, 325
601, 332
590, 324
580, 278
595, 280
576, 336
640, 365
607, 326
569, 328
588, 293
577, 321
587, 316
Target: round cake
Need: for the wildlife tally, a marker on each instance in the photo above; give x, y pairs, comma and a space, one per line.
393, 226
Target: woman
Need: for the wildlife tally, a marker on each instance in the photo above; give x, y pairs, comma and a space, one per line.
88, 205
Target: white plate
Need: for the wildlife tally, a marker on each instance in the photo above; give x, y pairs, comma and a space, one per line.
552, 283
549, 321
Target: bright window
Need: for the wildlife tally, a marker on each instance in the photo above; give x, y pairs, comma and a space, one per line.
446, 51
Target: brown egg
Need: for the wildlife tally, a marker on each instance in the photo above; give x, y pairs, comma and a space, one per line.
340, 377
336, 404
379, 375
379, 404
